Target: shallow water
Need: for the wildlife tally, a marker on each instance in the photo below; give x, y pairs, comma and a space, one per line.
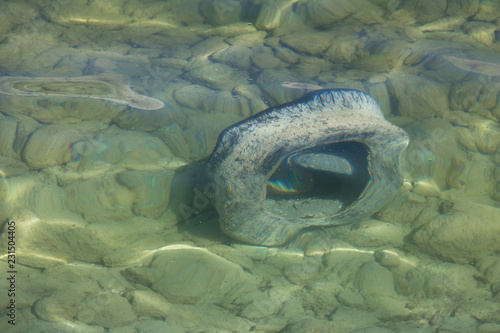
109, 108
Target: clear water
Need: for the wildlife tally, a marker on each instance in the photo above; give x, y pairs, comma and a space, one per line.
108, 109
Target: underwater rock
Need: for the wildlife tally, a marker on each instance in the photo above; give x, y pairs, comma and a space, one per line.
272, 13
11, 167
250, 39
116, 148
263, 57
431, 138
50, 145
230, 30
151, 189
225, 102
220, 12
460, 237
236, 56
106, 309
463, 8
379, 92
173, 136
108, 199
284, 155
425, 10
192, 95
382, 56
218, 76
488, 11
373, 279
349, 319
314, 43
191, 274
147, 121
102, 87
309, 325
271, 80
444, 279
418, 97
484, 33
150, 304
202, 131
324, 12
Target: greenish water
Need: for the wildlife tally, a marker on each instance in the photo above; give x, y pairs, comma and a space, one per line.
108, 110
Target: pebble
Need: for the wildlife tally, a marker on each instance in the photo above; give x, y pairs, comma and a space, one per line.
237, 56
418, 97
150, 304
50, 145
107, 310
373, 279
314, 43
221, 12
459, 237
218, 76
194, 274
349, 319
302, 273
151, 189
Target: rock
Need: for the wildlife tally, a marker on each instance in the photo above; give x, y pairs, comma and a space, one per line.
225, 102
382, 56
271, 80
121, 149
12, 167
488, 11
473, 96
138, 120
379, 92
314, 43
192, 95
203, 130
107, 199
220, 12
321, 297
193, 275
462, 8
460, 237
350, 319
427, 188
324, 12
150, 304
430, 139
236, 56
438, 280
405, 208
250, 39
230, 30
372, 232
303, 273
107, 310
173, 136
425, 10
50, 145
309, 325
263, 57
348, 297
418, 97
61, 305
151, 189
272, 14
260, 306
8, 129
232, 254
218, 76
387, 258
374, 280
488, 328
